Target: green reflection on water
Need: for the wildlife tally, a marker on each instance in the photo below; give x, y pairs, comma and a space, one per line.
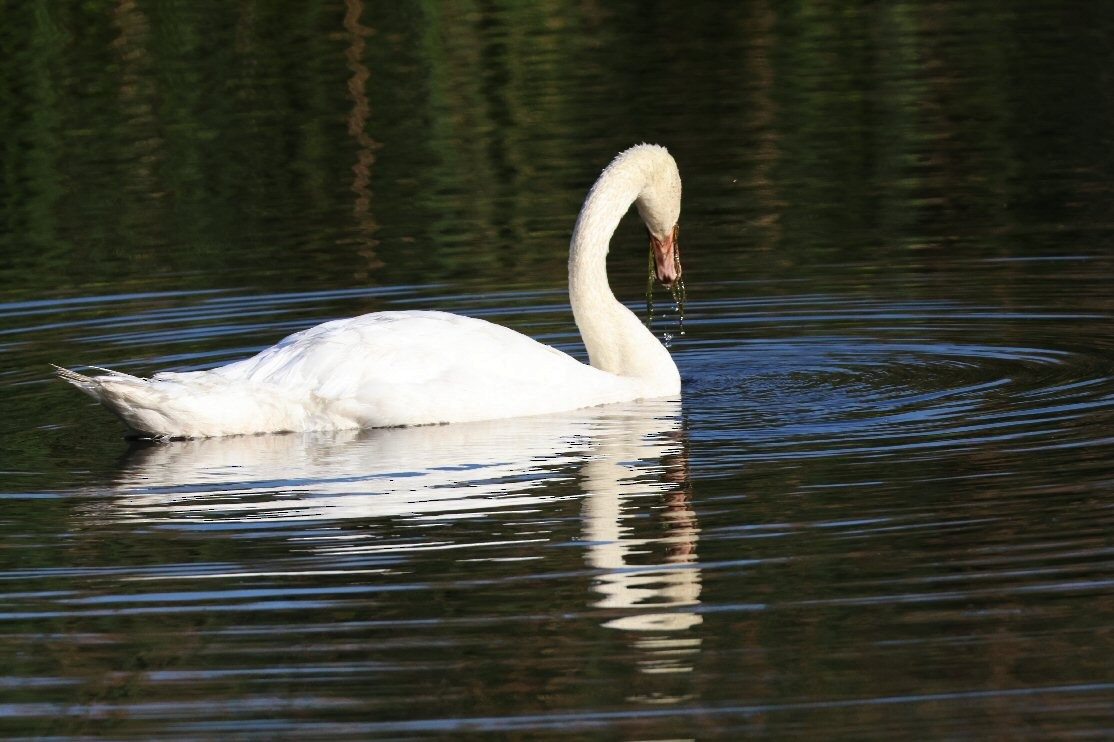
288, 144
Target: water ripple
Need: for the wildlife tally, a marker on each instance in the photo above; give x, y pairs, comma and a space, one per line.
864, 394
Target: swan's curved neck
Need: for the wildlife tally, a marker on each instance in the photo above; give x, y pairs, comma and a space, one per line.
616, 340
607, 202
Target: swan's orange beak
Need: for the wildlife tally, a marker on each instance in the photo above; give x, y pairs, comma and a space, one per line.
667, 257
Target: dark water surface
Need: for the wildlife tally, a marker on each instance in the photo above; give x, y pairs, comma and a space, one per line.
884, 507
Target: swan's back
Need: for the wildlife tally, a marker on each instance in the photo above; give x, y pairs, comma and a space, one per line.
418, 367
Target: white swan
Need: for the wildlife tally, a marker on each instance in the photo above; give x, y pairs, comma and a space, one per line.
416, 367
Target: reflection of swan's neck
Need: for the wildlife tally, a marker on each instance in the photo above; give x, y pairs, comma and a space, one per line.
649, 590
616, 340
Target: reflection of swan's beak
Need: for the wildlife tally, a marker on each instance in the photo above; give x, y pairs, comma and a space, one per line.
667, 257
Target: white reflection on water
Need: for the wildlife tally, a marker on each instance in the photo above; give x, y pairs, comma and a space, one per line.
652, 595
445, 472
629, 461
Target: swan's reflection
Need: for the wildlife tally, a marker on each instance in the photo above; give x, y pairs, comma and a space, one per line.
630, 459
650, 593
444, 471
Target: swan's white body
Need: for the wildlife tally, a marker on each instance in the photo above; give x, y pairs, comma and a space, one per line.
417, 367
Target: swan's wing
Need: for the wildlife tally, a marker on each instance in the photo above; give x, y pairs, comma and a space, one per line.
339, 357
393, 368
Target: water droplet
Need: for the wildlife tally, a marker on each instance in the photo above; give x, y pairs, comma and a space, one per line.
677, 291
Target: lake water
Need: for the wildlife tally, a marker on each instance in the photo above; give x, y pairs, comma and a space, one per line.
883, 508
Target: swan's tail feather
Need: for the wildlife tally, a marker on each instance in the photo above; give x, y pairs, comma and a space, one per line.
131, 398
94, 385
198, 404
81, 381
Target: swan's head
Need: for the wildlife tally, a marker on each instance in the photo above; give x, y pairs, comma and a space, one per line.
659, 205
